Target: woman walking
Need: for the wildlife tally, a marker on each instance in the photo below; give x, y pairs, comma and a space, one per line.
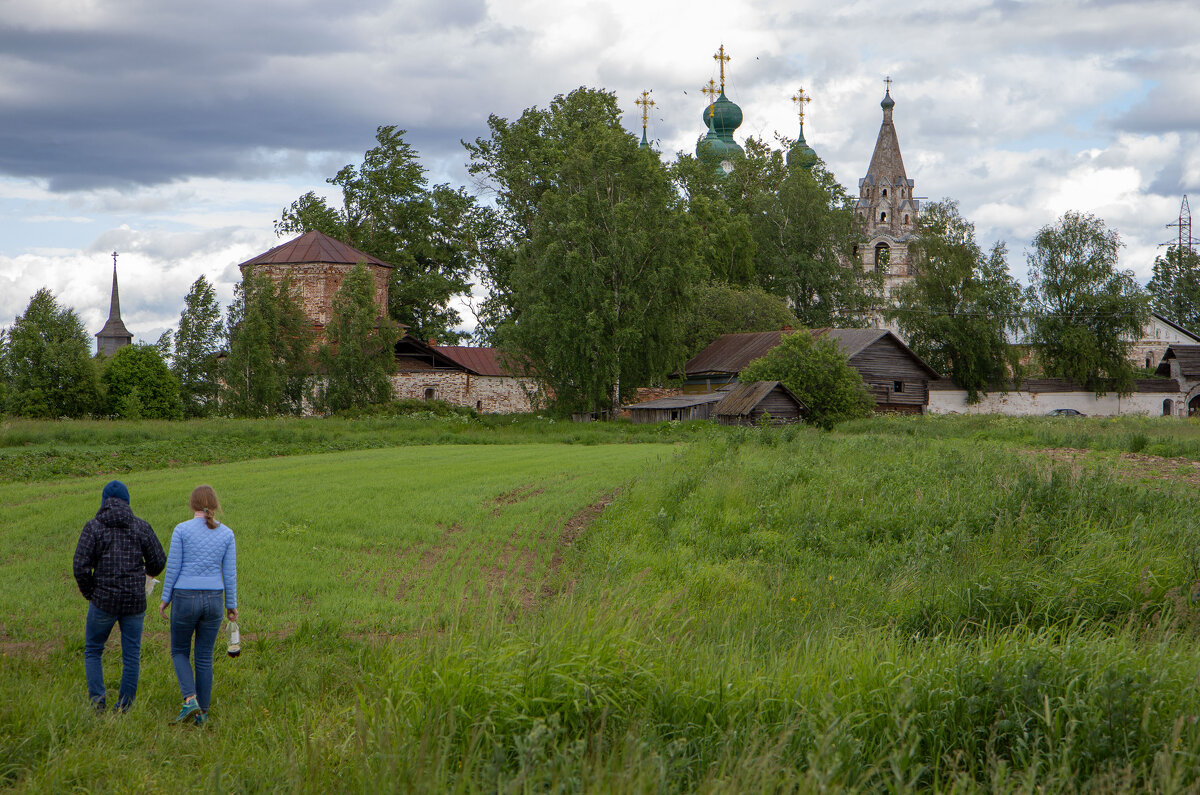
201, 565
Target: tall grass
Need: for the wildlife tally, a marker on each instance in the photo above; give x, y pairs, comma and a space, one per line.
41, 450
786, 610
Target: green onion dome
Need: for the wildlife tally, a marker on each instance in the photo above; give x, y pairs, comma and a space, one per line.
726, 117
801, 155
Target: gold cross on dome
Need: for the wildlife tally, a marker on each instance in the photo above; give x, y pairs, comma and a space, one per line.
710, 90
646, 104
721, 58
801, 99
887, 81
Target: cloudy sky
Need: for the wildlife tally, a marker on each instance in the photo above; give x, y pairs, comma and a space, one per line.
175, 133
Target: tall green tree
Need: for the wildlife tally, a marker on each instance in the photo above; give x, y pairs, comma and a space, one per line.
962, 306
195, 347
269, 366
789, 231
605, 254
5, 371
718, 309
50, 370
430, 234
359, 353
1175, 286
139, 385
1085, 312
817, 372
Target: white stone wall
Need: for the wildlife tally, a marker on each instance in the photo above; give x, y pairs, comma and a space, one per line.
484, 393
1023, 404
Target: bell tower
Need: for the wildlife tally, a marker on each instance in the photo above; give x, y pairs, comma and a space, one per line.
886, 204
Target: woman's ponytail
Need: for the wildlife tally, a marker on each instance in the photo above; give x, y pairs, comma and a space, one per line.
204, 499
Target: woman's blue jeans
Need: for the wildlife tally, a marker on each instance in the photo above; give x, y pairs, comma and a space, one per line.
195, 614
95, 634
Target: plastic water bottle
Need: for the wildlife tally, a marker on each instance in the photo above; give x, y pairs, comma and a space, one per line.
235, 640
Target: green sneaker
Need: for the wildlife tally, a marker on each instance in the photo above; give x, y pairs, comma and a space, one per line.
190, 708
201, 718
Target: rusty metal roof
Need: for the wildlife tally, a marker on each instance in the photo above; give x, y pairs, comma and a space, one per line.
730, 353
314, 247
480, 361
742, 399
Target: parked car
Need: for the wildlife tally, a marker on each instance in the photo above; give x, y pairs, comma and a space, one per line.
1064, 413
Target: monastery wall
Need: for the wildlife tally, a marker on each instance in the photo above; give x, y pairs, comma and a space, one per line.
1027, 404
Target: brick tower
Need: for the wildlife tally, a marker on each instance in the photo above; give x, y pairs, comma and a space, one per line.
887, 205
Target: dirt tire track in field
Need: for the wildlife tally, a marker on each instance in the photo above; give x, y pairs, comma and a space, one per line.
519, 494
1136, 466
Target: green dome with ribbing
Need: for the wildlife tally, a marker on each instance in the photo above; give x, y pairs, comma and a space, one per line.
726, 117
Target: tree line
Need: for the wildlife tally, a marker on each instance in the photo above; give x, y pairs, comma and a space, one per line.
258, 360
603, 269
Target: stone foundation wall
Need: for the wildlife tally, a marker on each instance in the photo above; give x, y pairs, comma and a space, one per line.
484, 393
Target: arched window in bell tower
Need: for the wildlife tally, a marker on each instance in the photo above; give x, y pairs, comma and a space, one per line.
882, 217
883, 256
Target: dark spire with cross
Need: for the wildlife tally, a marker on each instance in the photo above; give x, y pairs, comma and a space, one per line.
114, 335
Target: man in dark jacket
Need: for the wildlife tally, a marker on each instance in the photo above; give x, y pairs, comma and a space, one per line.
116, 551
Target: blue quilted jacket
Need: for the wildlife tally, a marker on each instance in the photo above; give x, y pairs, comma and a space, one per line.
202, 559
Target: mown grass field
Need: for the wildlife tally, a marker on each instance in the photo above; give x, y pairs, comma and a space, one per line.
899, 605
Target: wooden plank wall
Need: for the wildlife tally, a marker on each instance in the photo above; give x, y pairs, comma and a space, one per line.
881, 364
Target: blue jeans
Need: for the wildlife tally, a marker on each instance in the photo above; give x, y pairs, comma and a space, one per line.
198, 614
95, 635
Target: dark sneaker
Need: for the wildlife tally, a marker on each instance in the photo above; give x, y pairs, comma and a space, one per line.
201, 718
190, 708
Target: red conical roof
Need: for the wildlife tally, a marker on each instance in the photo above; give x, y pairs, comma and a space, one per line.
314, 247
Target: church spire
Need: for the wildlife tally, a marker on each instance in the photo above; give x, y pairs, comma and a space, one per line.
646, 104
886, 202
801, 154
114, 335
114, 303
886, 162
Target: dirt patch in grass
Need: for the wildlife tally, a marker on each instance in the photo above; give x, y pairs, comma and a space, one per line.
519, 494
1133, 466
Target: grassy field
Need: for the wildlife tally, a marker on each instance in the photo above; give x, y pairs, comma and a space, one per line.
900, 605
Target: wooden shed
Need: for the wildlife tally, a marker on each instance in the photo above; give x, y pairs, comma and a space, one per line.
897, 378
677, 407
747, 404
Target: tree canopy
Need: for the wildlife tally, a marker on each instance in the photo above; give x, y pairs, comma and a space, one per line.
789, 231
269, 366
961, 308
718, 309
1086, 312
49, 368
431, 235
195, 346
817, 372
358, 355
139, 385
604, 255
1175, 287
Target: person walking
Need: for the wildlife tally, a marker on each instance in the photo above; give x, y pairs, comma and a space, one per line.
202, 564
115, 553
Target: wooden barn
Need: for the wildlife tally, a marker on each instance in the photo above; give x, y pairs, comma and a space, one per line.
897, 378
675, 407
747, 404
